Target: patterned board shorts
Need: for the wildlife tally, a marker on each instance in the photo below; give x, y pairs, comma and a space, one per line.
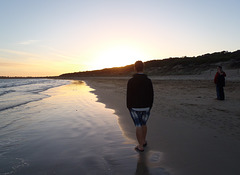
139, 117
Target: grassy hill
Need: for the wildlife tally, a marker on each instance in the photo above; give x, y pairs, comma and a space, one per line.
171, 66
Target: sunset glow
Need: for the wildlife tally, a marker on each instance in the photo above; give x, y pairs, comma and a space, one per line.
116, 57
48, 38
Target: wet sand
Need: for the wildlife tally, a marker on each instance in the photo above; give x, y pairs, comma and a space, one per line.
195, 133
69, 132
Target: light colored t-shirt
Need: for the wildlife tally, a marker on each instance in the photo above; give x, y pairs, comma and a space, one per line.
141, 109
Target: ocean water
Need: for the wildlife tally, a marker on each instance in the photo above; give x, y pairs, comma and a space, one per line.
58, 127
17, 92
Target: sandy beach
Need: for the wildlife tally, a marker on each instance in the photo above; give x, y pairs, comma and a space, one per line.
76, 127
195, 133
60, 128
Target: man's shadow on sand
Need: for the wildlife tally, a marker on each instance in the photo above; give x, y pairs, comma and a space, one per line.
142, 165
149, 163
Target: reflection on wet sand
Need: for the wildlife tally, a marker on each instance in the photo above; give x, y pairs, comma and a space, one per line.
149, 162
142, 167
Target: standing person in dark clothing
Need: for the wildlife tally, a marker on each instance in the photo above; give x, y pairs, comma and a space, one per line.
139, 103
219, 80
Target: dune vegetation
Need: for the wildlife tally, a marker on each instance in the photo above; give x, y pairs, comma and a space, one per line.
171, 66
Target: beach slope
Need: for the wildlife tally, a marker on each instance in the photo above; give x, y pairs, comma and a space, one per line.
196, 133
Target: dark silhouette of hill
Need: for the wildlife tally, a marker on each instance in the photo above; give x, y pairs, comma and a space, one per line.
171, 66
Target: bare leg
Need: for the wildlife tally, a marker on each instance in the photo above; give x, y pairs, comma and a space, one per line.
144, 130
139, 134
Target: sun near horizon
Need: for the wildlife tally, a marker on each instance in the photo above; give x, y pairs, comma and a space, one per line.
116, 56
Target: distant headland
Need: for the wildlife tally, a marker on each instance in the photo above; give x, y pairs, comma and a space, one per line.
171, 66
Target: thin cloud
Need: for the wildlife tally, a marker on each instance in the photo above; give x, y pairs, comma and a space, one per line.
28, 42
60, 55
20, 53
54, 56
5, 64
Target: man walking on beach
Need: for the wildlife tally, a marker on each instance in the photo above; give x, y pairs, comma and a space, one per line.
219, 80
139, 103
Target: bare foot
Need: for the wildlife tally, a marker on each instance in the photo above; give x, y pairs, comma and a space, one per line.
139, 148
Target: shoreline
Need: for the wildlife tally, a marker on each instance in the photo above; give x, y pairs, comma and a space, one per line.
197, 134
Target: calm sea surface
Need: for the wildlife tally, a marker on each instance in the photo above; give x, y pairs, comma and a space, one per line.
58, 127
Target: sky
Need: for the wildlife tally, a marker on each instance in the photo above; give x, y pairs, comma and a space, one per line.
52, 37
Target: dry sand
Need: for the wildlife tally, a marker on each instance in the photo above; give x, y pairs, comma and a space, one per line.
197, 134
